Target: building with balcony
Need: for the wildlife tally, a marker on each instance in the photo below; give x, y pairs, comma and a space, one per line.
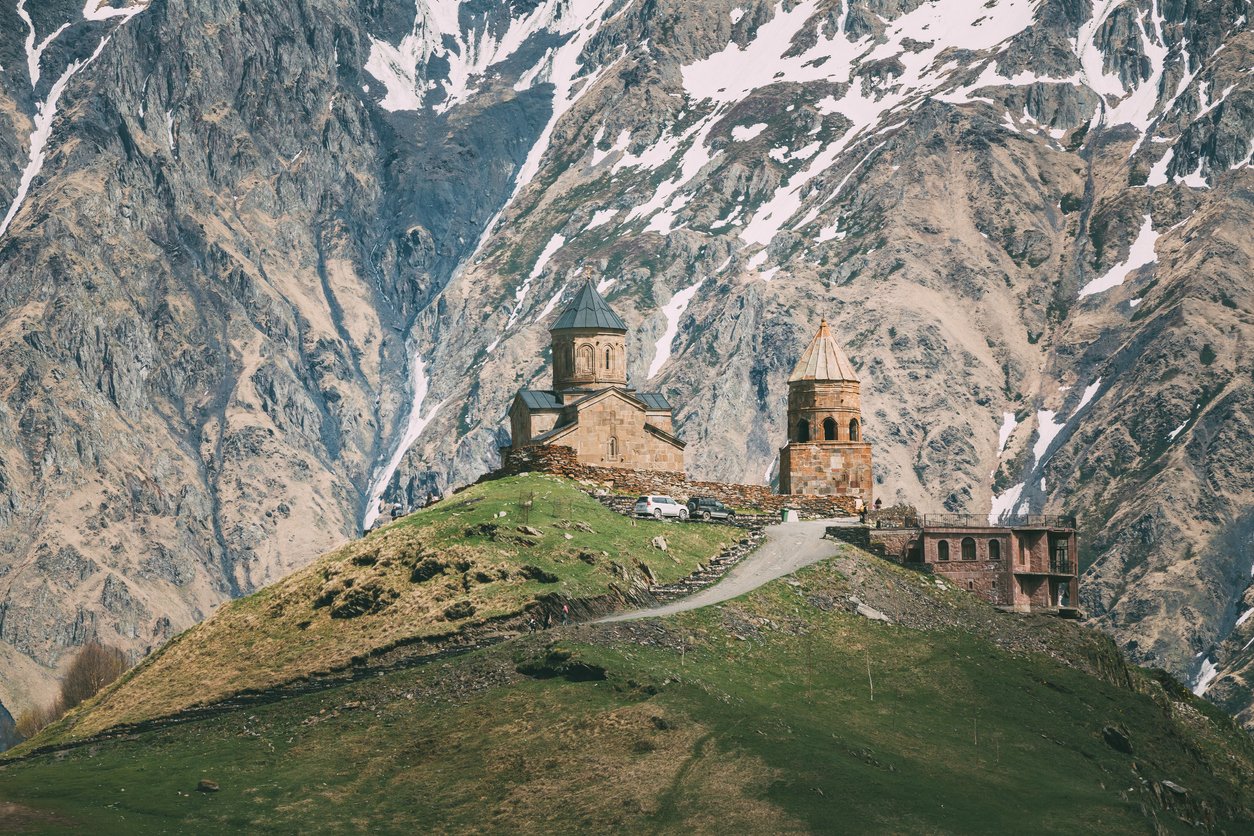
1025, 564
1022, 564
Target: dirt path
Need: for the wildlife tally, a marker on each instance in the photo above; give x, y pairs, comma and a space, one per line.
787, 548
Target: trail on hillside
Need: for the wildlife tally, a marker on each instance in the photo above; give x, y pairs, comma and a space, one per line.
787, 548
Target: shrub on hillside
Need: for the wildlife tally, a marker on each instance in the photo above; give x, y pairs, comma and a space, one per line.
95, 666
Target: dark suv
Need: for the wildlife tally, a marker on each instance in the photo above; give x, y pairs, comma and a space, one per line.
706, 508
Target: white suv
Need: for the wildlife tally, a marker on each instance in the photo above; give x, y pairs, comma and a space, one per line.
659, 507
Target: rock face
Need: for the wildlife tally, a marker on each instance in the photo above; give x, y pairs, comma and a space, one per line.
252, 252
8, 730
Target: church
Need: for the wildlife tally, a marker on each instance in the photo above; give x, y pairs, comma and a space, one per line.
590, 407
825, 454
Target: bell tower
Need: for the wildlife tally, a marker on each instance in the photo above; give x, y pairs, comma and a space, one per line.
825, 454
589, 344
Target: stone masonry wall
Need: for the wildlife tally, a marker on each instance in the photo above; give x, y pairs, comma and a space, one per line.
563, 461
826, 468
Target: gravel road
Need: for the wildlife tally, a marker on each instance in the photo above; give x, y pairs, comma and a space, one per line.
787, 548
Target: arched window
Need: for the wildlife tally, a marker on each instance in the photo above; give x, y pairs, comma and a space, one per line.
607, 358
853, 429
942, 550
829, 429
803, 430
613, 447
994, 550
971, 586
968, 548
583, 360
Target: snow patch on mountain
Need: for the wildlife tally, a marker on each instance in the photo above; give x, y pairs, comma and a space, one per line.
45, 115
1136, 108
35, 51
619, 146
551, 304
744, 133
1008, 424
1047, 429
1205, 677
520, 294
672, 311
1004, 503
1089, 392
1140, 254
419, 384
101, 10
600, 218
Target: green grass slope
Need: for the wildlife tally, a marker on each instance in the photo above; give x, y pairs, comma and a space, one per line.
781, 711
435, 574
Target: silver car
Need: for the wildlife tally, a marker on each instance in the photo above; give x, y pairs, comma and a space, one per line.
659, 507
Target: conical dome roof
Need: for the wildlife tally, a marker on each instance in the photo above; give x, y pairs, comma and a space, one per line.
823, 360
589, 310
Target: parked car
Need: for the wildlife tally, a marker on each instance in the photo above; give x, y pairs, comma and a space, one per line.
709, 508
659, 507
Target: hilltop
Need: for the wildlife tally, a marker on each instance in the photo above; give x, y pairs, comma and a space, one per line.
853, 693
485, 561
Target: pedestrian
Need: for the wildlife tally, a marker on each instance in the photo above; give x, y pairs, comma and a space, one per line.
879, 503
565, 614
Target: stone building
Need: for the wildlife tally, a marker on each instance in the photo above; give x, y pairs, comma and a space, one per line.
1027, 564
825, 454
590, 407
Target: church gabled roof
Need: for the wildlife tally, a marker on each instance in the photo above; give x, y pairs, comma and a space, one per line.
589, 310
539, 399
823, 360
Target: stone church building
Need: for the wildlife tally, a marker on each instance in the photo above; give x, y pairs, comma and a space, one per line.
825, 454
590, 407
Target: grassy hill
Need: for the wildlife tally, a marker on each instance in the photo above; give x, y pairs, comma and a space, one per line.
424, 581
781, 711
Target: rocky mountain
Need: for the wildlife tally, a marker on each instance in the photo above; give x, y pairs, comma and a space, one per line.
263, 262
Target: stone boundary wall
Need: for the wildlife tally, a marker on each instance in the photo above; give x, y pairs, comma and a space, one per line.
562, 461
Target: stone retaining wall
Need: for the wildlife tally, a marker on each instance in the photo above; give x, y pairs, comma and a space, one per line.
562, 461
892, 543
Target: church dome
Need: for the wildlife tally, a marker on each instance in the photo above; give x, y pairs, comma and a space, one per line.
823, 360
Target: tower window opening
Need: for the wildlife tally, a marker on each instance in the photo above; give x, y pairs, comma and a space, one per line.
829, 429
607, 358
853, 429
803, 430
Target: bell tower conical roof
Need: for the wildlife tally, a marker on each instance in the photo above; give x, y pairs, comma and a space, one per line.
823, 360
589, 310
